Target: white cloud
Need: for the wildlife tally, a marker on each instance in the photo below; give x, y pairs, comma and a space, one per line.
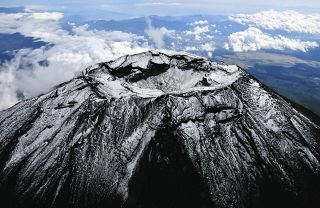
68, 54
55, 16
8, 95
38, 25
209, 46
290, 21
201, 22
198, 31
254, 39
158, 34
203, 41
249, 59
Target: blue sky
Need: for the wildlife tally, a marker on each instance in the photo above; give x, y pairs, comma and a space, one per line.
167, 7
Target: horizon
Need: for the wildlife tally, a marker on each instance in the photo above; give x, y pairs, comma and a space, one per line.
166, 8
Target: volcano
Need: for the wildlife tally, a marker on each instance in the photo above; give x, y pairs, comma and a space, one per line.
156, 130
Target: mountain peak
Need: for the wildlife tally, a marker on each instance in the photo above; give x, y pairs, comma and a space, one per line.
161, 73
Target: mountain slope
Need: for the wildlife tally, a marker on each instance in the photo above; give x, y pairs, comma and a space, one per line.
158, 130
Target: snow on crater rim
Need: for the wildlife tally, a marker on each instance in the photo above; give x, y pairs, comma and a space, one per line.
158, 73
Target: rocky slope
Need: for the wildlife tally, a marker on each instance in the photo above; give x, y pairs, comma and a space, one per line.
158, 130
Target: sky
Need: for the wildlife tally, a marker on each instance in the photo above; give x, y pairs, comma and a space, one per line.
168, 7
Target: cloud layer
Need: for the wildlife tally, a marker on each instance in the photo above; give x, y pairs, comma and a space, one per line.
158, 34
35, 71
289, 21
198, 30
254, 39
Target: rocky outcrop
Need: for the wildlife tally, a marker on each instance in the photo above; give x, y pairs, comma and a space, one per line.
158, 130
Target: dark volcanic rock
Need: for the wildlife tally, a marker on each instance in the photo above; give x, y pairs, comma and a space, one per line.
156, 130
